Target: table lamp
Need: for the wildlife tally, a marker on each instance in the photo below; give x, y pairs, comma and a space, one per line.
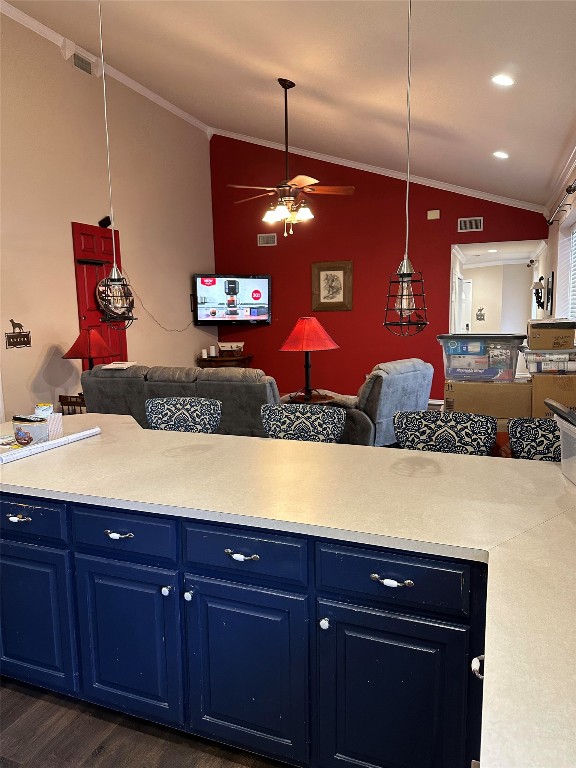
88, 346
307, 336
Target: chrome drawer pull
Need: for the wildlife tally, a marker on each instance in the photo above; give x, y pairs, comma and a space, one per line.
166, 591
391, 582
475, 665
324, 623
189, 595
114, 535
239, 556
19, 519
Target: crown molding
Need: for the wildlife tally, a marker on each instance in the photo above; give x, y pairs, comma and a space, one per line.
387, 172
53, 37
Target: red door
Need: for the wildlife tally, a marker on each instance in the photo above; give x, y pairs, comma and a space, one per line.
93, 259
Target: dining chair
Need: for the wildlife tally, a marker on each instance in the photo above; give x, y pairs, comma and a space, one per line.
72, 404
442, 432
301, 421
183, 414
537, 439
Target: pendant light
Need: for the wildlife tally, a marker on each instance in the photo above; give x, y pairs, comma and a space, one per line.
113, 294
406, 302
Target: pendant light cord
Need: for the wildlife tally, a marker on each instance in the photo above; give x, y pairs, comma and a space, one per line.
408, 85
107, 135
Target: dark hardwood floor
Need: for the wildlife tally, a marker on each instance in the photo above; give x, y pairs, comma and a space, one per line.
39, 729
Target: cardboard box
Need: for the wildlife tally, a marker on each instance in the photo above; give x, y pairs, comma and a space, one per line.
559, 386
551, 335
491, 398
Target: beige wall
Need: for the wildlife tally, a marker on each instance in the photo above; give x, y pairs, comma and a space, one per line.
53, 160
487, 293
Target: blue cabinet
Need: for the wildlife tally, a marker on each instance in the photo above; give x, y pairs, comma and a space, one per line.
36, 620
392, 689
248, 666
129, 629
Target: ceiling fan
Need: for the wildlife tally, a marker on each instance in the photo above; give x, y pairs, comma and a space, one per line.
291, 206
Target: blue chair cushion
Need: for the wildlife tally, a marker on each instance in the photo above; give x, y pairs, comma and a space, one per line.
296, 421
183, 414
445, 432
535, 439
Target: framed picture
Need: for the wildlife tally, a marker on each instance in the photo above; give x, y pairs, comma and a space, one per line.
550, 293
331, 286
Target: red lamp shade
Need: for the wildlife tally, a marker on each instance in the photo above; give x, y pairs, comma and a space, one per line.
308, 336
89, 345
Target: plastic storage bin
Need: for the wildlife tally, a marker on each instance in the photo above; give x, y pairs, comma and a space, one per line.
567, 448
480, 357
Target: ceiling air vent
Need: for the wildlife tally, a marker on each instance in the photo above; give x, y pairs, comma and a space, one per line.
84, 64
268, 239
474, 224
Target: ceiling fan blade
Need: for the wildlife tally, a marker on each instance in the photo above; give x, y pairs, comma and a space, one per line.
245, 200
245, 186
323, 190
302, 181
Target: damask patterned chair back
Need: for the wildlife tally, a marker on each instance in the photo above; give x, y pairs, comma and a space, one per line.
445, 432
295, 421
183, 414
534, 439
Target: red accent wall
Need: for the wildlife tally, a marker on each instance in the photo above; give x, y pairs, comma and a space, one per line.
368, 229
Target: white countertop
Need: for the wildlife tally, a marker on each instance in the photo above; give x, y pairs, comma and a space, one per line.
520, 516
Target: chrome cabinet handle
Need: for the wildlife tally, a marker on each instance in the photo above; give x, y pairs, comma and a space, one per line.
166, 591
114, 535
19, 519
189, 595
240, 557
391, 582
324, 623
475, 665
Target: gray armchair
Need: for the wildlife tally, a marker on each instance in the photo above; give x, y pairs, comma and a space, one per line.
400, 385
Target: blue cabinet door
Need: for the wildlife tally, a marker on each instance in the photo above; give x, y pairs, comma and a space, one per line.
36, 622
130, 638
392, 689
248, 666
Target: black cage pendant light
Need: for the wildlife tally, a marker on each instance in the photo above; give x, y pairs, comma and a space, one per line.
406, 302
113, 294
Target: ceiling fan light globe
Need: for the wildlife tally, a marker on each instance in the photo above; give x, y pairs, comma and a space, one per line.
304, 213
270, 216
282, 212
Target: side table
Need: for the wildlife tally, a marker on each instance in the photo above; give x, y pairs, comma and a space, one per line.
225, 361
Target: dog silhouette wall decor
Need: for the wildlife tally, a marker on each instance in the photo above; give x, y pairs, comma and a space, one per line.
18, 337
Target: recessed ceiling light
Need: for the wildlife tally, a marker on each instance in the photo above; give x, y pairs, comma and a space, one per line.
492, 250
502, 79
501, 155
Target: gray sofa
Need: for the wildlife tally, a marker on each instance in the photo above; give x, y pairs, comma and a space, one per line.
241, 391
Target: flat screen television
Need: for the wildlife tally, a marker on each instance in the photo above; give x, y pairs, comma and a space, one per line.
231, 299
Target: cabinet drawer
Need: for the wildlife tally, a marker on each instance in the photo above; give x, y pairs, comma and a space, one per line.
137, 534
436, 585
33, 519
241, 551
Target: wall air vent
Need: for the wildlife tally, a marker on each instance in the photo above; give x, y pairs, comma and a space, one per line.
84, 64
473, 224
268, 239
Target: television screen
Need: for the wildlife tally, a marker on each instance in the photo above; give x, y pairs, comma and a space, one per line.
231, 299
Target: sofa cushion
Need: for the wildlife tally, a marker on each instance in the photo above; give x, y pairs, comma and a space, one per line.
172, 373
133, 372
248, 375
108, 390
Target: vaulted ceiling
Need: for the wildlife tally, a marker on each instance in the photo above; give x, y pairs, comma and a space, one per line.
219, 61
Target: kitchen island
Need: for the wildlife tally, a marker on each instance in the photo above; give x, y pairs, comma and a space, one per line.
519, 517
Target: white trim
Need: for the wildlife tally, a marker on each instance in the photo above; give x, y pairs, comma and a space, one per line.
566, 177
57, 39
387, 172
